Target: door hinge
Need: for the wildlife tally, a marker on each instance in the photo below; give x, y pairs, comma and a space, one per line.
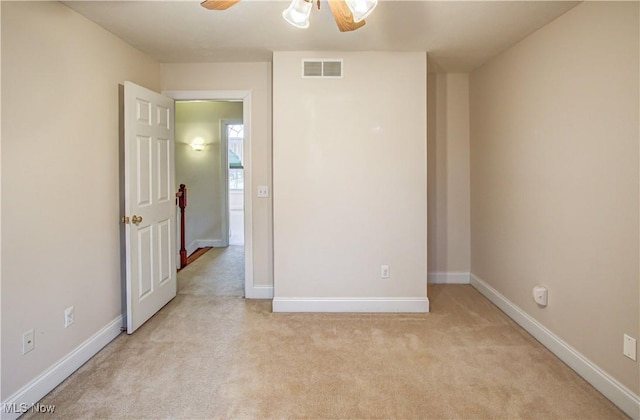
125, 219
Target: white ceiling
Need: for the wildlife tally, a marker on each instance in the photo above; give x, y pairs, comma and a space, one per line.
459, 35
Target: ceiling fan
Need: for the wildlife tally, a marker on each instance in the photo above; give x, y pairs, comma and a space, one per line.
348, 14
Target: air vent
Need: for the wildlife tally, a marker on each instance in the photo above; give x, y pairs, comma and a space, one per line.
332, 68
322, 68
312, 68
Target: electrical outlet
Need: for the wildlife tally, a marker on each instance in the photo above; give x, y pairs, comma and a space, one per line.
540, 295
28, 341
68, 316
629, 347
385, 272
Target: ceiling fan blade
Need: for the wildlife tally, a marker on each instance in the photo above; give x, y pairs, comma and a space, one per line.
218, 4
343, 16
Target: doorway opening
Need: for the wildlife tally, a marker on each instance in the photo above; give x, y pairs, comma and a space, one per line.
212, 150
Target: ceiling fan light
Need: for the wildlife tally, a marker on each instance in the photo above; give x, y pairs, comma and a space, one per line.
298, 12
360, 9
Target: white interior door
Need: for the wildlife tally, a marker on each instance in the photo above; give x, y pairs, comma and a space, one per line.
149, 203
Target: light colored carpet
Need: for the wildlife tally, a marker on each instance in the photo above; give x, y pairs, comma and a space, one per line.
207, 356
219, 272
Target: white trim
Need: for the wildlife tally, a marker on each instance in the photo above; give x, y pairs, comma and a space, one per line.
224, 202
260, 292
215, 243
35, 390
224, 149
449, 278
293, 304
207, 95
203, 243
245, 97
620, 395
248, 193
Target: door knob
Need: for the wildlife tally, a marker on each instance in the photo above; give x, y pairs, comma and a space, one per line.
136, 219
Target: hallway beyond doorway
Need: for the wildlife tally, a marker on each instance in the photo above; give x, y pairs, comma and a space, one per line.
236, 217
219, 272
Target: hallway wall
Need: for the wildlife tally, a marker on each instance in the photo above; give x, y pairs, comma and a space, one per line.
448, 157
350, 183
203, 172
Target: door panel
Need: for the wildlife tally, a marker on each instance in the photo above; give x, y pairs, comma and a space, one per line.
143, 171
164, 228
149, 182
143, 111
164, 190
145, 262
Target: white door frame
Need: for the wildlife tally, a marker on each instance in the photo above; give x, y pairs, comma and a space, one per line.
245, 97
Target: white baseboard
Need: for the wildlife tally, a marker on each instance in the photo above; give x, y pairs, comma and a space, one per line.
259, 292
202, 243
449, 278
620, 395
216, 243
285, 304
35, 390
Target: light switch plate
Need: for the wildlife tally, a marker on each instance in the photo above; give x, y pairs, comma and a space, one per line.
69, 315
263, 191
629, 348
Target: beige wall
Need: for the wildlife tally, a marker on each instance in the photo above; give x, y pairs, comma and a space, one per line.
554, 178
448, 153
350, 177
60, 76
1, 315
255, 77
203, 171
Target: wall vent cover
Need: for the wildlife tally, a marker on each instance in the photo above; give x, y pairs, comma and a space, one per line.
326, 68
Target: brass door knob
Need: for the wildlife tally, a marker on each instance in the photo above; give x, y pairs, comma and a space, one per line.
136, 219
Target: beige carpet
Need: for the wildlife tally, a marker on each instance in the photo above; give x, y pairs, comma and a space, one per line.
207, 356
219, 272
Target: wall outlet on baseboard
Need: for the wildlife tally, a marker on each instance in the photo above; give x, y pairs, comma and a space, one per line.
541, 295
629, 347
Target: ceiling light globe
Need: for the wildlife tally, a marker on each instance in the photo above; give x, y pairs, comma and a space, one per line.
360, 9
297, 14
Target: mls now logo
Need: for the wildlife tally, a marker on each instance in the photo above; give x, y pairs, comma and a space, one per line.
21, 408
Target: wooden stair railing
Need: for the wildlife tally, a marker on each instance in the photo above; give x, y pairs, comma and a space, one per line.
182, 203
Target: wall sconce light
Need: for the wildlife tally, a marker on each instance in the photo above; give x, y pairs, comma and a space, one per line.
198, 144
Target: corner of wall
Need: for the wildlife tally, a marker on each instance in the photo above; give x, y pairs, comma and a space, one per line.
623, 397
